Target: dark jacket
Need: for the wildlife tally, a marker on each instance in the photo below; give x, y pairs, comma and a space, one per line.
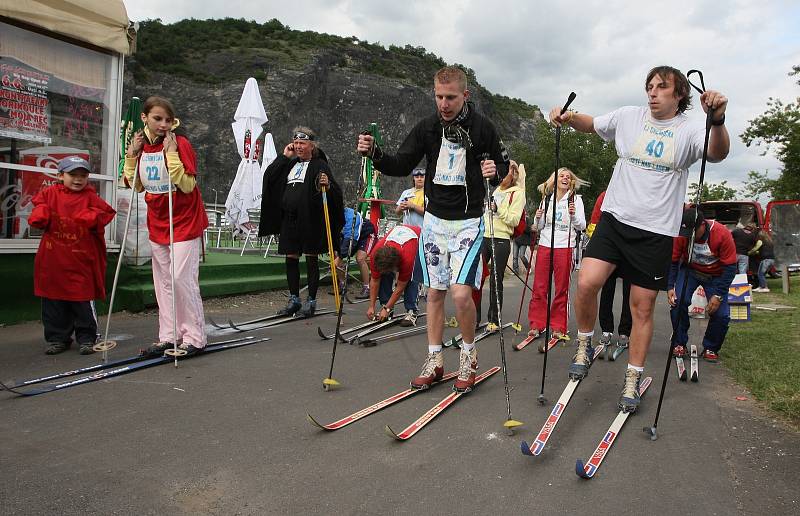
449, 202
310, 212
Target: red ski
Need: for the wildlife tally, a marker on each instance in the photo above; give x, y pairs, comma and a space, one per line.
437, 409
391, 400
590, 468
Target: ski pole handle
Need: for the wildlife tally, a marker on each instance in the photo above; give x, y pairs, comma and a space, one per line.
569, 101
693, 85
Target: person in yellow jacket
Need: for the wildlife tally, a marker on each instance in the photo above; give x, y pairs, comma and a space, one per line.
507, 206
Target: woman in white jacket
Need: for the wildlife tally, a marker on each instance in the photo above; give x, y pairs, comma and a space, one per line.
569, 220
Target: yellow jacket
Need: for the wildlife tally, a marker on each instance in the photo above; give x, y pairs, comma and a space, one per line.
509, 211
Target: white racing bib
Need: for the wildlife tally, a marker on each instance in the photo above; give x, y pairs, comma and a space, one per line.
400, 235
153, 173
298, 173
654, 149
451, 167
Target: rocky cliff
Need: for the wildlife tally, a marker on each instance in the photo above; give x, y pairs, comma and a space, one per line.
336, 90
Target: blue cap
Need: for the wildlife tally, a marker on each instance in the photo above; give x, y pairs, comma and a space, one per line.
71, 163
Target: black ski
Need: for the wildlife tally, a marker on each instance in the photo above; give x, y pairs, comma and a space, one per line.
367, 324
100, 367
129, 368
455, 341
281, 320
390, 336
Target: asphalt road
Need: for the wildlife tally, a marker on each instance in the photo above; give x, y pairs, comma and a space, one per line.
227, 434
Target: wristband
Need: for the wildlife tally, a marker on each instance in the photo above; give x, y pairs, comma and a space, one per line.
719, 122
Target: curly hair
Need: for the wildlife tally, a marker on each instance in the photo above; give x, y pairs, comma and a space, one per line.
387, 259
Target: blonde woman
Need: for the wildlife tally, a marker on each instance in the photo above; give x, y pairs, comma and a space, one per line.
569, 219
508, 207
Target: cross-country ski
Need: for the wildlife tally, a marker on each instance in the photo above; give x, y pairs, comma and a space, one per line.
589, 469
437, 409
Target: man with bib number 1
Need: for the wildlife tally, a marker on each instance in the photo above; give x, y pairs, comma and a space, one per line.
642, 208
461, 148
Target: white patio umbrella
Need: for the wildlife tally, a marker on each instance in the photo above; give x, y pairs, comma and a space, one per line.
245, 192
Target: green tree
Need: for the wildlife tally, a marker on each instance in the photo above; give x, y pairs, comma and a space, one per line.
778, 129
713, 192
588, 155
757, 184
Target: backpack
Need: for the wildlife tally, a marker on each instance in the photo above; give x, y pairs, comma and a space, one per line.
519, 229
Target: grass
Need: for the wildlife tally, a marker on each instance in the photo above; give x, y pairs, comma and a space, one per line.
764, 354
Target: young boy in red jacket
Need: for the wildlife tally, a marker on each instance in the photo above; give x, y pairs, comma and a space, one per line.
70, 265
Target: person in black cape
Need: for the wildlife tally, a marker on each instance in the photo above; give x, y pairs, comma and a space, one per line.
291, 207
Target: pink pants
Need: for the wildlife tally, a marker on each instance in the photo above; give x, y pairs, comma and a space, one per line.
188, 303
537, 310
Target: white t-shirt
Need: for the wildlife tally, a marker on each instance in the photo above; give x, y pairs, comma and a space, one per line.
410, 217
563, 230
648, 185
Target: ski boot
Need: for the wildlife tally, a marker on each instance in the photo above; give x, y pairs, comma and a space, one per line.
364, 294
156, 349
190, 350
710, 356
579, 368
468, 364
54, 348
292, 306
410, 319
622, 344
678, 351
309, 307
630, 397
605, 341
432, 371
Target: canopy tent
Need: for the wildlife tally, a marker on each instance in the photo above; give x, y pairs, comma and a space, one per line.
103, 23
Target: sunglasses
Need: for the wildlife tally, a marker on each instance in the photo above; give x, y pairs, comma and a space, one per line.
303, 136
419, 175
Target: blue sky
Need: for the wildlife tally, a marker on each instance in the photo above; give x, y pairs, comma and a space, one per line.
541, 50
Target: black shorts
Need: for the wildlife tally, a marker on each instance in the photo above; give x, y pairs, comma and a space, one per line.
364, 243
641, 256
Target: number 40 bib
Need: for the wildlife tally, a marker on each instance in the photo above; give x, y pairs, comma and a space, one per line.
655, 148
153, 173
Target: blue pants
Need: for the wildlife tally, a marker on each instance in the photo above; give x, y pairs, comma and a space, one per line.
409, 295
717, 323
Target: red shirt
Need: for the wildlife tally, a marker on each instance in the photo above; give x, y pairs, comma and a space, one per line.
70, 264
597, 211
402, 237
716, 251
188, 213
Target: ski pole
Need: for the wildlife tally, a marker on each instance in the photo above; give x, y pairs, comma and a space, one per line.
653, 430
105, 345
517, 326
542, 400
510, 423
524, 283
329, 383
175, 352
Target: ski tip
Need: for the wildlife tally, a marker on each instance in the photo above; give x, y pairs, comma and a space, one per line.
314, 422
391, 433
580, 469
525, 448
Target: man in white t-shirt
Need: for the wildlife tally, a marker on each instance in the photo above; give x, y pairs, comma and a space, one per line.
642, 208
